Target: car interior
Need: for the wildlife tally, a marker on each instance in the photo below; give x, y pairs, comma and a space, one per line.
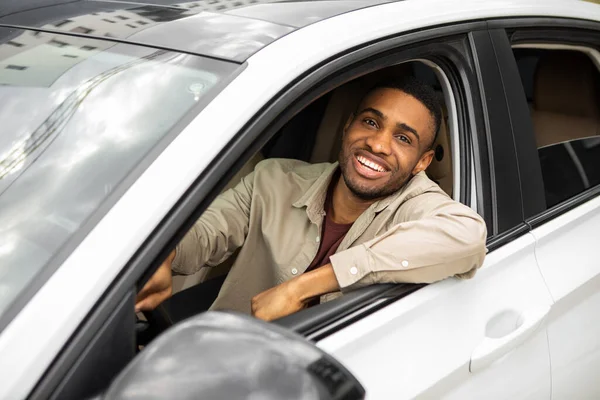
313, 135
563, 93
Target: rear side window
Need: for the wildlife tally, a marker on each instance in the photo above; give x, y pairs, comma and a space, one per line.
569, 168
77, 116
563, 92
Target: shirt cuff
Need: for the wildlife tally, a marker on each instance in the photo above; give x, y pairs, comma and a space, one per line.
351, 266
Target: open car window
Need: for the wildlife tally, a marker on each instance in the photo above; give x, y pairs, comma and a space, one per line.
314, 135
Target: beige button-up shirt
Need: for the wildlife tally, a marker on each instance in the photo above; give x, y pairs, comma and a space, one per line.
274, 217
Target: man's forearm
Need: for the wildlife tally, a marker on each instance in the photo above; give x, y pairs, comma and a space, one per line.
293, 295
315, 283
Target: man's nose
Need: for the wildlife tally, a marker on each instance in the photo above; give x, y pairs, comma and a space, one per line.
380, 142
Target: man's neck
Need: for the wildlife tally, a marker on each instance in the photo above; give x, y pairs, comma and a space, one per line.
346, 206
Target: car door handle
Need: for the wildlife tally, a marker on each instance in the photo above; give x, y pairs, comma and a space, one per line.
496, 345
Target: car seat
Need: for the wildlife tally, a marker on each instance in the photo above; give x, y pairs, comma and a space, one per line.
566, 98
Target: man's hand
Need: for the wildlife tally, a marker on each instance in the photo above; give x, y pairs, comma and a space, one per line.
158, 288
294, 295
277, 302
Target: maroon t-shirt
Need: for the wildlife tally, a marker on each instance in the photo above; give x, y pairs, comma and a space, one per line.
332, 234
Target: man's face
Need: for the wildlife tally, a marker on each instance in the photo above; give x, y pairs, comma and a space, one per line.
385, 143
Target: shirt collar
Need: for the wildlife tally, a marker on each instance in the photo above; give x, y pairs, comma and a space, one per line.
417, 185
314, 198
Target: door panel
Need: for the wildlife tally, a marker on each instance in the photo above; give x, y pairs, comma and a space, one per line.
421, 346
567, 249
567, 252
520, 375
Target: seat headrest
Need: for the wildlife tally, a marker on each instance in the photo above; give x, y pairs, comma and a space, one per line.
566, 83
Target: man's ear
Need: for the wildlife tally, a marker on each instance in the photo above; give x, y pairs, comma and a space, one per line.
424, 162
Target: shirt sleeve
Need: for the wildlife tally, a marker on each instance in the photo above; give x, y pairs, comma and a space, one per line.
436, 238
219, 232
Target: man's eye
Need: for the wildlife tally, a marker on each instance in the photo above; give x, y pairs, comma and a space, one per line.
370, 122
403, 138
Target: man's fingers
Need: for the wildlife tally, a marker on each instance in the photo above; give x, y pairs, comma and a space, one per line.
150, 302
158, 288
159, 282
143, 305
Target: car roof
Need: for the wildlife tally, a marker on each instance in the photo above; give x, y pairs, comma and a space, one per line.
231, 30
227, 29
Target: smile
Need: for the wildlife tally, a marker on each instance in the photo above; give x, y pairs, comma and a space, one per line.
370, 164
368, 168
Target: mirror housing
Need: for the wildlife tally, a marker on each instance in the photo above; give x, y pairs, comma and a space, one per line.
223, 355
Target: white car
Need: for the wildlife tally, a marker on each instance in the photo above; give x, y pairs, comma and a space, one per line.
121, 122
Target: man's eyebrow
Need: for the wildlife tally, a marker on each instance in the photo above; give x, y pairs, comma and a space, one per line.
374, 111
400, 125
410, 129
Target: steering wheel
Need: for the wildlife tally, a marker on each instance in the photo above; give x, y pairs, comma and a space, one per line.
180, 306
156, 322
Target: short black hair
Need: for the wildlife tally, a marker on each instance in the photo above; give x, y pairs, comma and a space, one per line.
420, 91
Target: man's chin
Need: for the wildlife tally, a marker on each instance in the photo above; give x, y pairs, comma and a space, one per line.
365, 192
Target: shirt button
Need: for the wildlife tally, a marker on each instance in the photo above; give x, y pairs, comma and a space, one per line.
294, 271
405, 263
354, 270
318, 239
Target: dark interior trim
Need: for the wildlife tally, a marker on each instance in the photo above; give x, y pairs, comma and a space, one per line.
539, 22
562, 35
506, 190
323, 77
530, 172
483, 166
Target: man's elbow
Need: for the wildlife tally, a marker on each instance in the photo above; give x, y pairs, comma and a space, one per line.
472, 233
475, 253
471, 246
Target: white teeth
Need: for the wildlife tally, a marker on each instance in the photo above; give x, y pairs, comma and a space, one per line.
370, 164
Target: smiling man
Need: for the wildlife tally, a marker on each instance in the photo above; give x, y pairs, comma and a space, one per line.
306, 232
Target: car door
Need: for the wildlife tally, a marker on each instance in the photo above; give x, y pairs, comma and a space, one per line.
479, 338
560, 75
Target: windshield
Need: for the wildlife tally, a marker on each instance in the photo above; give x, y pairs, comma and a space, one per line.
76, 116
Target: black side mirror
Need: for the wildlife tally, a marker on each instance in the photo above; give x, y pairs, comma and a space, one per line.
220, 355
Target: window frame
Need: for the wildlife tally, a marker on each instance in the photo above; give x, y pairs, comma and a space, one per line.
504, 195
299, 93
557, 31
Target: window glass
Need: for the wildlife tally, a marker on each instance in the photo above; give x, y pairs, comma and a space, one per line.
569, 168
77, 116
563, 93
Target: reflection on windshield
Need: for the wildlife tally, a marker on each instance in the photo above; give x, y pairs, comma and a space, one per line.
201, 27
72, 131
